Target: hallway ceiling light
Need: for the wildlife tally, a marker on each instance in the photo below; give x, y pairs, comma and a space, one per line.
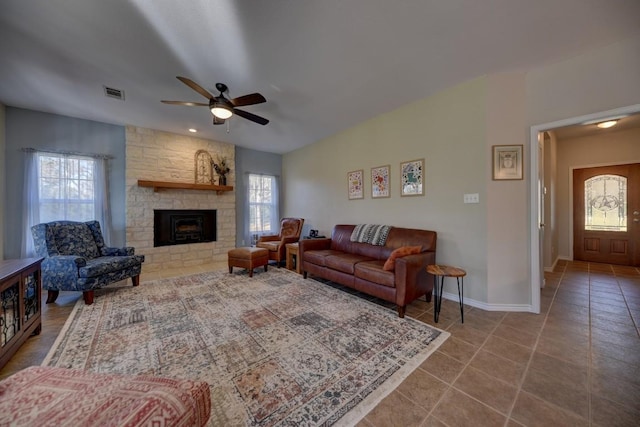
605, 119
607, 124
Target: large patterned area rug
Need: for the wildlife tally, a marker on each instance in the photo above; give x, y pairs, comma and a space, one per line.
276, 349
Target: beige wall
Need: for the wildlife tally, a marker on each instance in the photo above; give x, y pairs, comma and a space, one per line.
456, 162
613, 147
2, 176
161, 156
599, 80
454, 131
550, 201
508, 281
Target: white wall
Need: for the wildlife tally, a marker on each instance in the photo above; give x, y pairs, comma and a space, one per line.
609, 148
3, 178
456, 159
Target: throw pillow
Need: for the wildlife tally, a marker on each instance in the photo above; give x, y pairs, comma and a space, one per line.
390, 264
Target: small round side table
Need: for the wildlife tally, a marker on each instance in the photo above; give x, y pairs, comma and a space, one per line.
443, 271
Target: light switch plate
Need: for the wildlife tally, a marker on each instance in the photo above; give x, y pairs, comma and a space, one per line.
472, 198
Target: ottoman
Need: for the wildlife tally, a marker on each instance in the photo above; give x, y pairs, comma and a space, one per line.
50, 396
248, 258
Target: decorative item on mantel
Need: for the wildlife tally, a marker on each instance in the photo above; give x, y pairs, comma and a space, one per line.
222, 169
202, 167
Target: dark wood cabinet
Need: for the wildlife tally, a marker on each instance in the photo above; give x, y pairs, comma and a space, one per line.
20, 299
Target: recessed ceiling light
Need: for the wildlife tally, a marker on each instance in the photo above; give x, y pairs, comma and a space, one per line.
607, 124
192, 130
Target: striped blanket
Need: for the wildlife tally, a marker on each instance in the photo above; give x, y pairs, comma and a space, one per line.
371, 233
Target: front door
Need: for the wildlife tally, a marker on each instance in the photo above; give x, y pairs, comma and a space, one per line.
606, 214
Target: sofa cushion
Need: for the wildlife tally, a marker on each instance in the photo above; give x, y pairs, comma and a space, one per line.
403, 251
345, 262
318, 257
373, 272
271, 246
108, 264
75, 239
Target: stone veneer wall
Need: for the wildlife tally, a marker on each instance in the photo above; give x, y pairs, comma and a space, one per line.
161, 156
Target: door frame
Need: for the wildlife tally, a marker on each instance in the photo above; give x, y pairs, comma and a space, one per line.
536, 262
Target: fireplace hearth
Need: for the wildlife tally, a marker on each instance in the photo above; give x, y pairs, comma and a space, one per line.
180, 227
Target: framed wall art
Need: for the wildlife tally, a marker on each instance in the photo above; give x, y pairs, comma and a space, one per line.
380, 182
507, 162
412, 178
356, 184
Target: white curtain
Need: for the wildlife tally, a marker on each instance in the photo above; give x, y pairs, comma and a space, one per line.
31, 208
30, 202
262, 214
101, 197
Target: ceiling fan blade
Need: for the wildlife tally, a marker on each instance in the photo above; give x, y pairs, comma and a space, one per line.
251, 116
217, 121
187, 103
195, 86
251, 99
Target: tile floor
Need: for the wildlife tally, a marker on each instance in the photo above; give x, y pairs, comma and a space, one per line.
576, 363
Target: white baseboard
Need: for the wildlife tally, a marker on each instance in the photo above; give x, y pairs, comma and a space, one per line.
489, 307
553, 267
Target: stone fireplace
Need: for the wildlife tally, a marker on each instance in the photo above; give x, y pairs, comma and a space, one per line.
181, 227
162, 156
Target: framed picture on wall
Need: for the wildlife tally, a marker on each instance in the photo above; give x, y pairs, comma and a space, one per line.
507, 162
411, 178
380, 182
355, 184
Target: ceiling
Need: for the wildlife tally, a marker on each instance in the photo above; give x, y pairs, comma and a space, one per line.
323, 65
590, 129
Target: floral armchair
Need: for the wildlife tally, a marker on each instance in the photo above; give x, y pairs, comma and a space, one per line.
76, 259
290, 229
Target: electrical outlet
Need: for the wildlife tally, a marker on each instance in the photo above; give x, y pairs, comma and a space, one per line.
472, 198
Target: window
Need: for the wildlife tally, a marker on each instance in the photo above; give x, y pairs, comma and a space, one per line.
605, 198
66, 188
263, 205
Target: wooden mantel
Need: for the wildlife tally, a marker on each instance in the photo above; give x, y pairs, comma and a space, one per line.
165, 185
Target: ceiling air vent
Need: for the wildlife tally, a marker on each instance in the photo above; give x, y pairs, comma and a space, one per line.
114, 93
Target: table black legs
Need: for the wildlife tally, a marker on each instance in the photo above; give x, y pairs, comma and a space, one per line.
438, 296
460, 293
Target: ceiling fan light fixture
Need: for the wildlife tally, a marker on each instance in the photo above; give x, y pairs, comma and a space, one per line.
607, 124
221, 111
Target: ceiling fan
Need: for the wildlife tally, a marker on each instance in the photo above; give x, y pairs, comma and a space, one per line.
221, 107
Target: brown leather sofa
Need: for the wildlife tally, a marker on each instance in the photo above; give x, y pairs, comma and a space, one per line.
360, 265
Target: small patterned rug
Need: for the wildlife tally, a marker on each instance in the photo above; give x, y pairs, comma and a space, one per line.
277, 350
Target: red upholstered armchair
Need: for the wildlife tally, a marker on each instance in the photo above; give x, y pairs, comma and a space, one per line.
290, 229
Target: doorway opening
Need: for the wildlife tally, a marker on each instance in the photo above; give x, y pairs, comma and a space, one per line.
536, 170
